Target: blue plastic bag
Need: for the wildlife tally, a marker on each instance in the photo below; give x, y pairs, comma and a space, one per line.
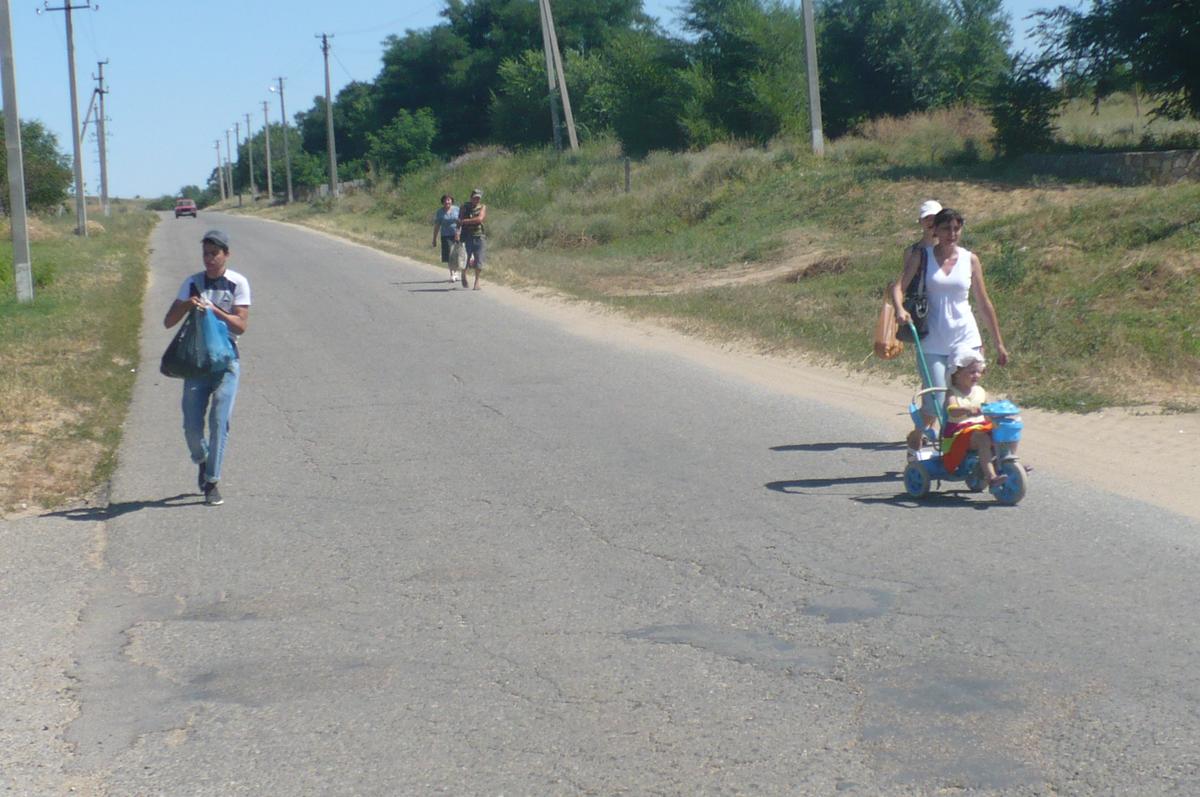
200, 348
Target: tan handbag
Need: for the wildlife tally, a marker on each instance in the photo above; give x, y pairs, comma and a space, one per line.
887, 345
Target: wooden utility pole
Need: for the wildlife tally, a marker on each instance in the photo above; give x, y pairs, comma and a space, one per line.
332, 149
101, 91
267, 151
80, 197
558, 68
814, 85
22, 262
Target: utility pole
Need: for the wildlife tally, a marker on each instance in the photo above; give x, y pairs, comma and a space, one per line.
250, 157
80, 198
220, 168
229, 162
267, 148
333, 179
101, 91
551, 81
814, 85
287, 156
22, 262
562, 80
237, 144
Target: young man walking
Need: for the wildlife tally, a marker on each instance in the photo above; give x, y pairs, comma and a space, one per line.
470, 224
225, 293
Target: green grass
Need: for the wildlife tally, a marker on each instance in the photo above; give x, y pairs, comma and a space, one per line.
1097, 287
67, 358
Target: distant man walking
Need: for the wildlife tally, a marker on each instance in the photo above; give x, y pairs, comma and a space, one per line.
225, 293
470, 223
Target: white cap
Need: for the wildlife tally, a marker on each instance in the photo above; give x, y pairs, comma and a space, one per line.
930, 207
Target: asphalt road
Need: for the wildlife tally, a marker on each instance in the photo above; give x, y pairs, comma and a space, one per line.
467, 551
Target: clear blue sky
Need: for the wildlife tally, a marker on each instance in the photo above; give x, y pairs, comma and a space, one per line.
181, 73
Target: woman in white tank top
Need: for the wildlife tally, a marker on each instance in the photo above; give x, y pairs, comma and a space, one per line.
953, 276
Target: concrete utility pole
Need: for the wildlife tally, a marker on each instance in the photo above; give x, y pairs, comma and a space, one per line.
250, 157
220, 168
551, 80
556, 57
80, 197
22, 262
101, 91
267, 148
287, 156
237, 144
333, 178
229, 162
814, 85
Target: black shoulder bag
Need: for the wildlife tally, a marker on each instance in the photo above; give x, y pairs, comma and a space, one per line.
916, 302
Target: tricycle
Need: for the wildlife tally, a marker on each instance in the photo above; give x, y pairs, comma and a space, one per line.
925, 465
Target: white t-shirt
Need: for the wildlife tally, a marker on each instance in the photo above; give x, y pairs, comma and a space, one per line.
227, 291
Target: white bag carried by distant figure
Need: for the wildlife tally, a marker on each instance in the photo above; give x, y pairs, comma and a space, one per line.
458, 255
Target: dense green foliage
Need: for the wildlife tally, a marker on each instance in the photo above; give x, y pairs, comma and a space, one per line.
47, 171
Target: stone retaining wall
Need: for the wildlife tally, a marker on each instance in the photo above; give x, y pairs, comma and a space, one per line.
1126, 168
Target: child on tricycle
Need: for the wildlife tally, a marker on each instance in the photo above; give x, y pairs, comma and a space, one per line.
978, 439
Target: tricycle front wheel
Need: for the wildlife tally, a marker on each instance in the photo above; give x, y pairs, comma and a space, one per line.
1013, 488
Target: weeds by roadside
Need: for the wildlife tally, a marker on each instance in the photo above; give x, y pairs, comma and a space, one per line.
67, 360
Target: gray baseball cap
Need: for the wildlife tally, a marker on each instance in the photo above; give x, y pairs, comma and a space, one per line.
217, 237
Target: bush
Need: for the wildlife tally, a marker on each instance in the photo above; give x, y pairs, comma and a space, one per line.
1022, 106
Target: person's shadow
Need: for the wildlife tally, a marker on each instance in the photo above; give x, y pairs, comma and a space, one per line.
110, 511
862, 446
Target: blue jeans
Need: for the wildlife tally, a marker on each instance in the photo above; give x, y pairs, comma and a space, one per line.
214, 395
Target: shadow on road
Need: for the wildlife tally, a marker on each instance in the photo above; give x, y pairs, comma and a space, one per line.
424, 282
102, 513
796, 485
431, 290
954, 499
836, 446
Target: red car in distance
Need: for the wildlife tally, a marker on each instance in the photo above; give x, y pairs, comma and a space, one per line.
185, 207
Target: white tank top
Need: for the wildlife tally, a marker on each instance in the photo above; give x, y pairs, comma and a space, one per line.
951, 323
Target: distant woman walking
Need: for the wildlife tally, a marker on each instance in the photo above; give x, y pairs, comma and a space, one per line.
952, 274
445, 223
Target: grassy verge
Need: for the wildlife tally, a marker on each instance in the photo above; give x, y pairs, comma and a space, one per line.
67, 359
1096, 286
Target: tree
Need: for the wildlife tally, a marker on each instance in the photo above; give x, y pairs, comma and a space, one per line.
894, 57
1158, 40
454, 68
648, 81
47, 171
751, 54
405, 143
